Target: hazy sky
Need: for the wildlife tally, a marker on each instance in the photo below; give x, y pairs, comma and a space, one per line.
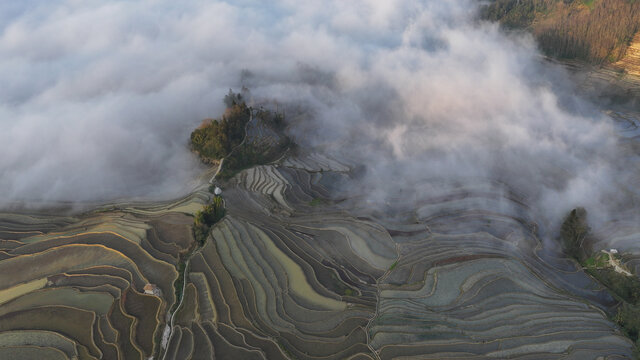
99, 98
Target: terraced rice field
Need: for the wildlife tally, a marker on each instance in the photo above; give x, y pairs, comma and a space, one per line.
294, 271
281, 278
73, 287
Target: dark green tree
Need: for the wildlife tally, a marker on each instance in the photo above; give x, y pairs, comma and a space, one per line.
574, 233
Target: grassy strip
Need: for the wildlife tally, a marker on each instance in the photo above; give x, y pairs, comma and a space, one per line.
393, 266
317, 202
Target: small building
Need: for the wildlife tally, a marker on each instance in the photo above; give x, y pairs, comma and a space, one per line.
151, 289
613, 251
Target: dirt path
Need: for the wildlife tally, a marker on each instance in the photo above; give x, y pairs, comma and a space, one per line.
615, 263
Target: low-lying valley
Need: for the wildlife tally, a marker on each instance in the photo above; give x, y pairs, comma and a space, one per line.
293, 269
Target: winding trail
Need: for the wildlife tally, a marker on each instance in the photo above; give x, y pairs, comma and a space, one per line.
168, 331
375, 316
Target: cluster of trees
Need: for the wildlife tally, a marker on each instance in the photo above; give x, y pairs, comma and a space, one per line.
206, 217
575, 236
224, 138
578, 244
272, 119
597, 31
211, 213
515, 14
215, 139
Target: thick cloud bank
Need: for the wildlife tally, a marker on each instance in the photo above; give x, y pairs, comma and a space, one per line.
98, 98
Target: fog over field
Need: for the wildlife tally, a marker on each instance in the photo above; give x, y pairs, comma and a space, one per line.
98, 99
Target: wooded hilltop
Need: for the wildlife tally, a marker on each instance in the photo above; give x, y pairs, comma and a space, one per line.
595, 31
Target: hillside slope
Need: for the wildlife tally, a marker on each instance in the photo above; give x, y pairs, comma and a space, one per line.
631, 61
595, 31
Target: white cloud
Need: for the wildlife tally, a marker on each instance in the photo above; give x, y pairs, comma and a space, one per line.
98, 99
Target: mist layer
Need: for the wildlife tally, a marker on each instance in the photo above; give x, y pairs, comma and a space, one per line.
98, 99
